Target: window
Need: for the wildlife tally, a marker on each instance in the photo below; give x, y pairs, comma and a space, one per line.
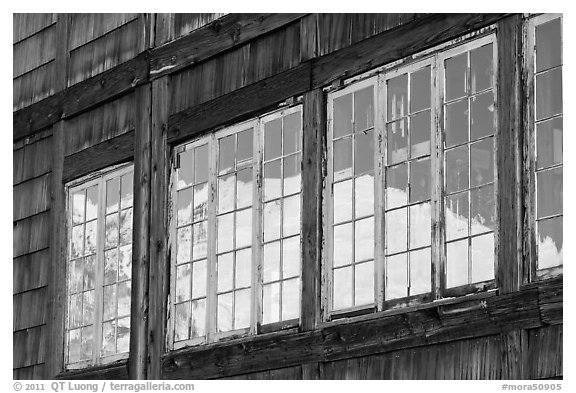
99, 268
411, 182
237, 230
545, 140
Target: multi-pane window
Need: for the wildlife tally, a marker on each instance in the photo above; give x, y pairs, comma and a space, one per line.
237, 229
545, 48
390, 139
99, 268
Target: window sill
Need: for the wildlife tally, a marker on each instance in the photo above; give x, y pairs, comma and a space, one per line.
113, 371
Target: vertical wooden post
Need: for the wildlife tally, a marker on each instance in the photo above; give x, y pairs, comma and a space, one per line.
137, 362
158, 277
509, 153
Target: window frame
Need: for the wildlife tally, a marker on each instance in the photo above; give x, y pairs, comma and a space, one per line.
95, 178
211, 139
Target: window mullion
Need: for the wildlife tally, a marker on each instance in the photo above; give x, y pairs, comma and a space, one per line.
99, 272
212, 278
257, 233
329, 212
379, 205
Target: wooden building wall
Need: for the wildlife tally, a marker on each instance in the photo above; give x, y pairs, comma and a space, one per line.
131, 85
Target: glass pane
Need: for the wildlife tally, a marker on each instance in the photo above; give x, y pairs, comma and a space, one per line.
483, 258
290, 299
343, 115
420, 272
342, 201
125, 263
456, 76
271, 303
272, 220
88, 308
482, 119
198, 325
91, 203
226, 154
78, 204
364, 239
184, 198
549, 94
244, 268
273, 139
292, 127
126, 226
182, 321
550, 242
548, 45
109, 302
226, 195
292, 174
291, 219
87, 342
272, 180
364, 152
482, 162
75, 276
481, 68
199, 279
245, 146
420, 225
112, 195
291, 257
342, 158
225, 271
201, 202
396, 186
457, 169
127, 190
397, 141
396, 277
483, 210
549, 142
397, 97
244, 188
271, 270
75, 311
550, 190
184, 244
420, 134
123, 298
364, 283
123, 335
396, 228
364, 109
185, 174
456, 123
89, 272
74, 347
457, 216
242, 309
201, 164
112, 230
77, 248
420, 89
244, 228
91, 237
342, 291
457, 263
420, 175
343, 243
108, 338
199, 240
225, 232
364, 195
183, 282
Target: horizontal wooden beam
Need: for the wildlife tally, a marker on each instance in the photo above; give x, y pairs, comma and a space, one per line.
216, 37
112, 151
397, 43
438, 323
114, 371
240, 104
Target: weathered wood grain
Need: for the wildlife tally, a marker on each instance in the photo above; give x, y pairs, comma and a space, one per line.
220, 35
28, 348
25, 25
30, 271
29, 309
164, 29
239, 105
31, 234
545, 355
308, 37
32, 160
87, 27
31, 372
33, 86
185, 23
287, 373
114, 371
31, 197
334, 32
393, 44
34, 51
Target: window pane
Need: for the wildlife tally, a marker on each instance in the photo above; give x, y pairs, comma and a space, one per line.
123, 298
225, 232
342, 293
112, 230
420, 175
420, 134
272, 182
364, 109
364, 152
456, 76
198, 325
481, 68
242, 309
201, 164
364, 195
457, 169
89, 271
482, 162
200, 202
123, 335
183, 282
457, 263
184, 215
112, 195
126, 226
271, 303
342, 201
182, 328
396, 277
397, 142
185, 174
87, 308
420, 272
482, 119
227, 150
420, 89
226, 193
75, 310
291, 257
342, 158
364, 239
184, 244
483, 258
74, 346
291, 219
225, 271
291, 137
91, 237
483, 210
420, 225
91, 203
273, 139
127, 190
290, 299
343, 243
549, 94
108, 338
109, 302
549, 196
549, 142
244, 228
396, 186
396, 228
78, 205
77, 246
87, 343
343, 115
457, 216
548, 45
245, 146
397, 97
456, 123
125, 263
550, 242
271, 262
243, 268
364, 283
271, 221
199, 279
292, 174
